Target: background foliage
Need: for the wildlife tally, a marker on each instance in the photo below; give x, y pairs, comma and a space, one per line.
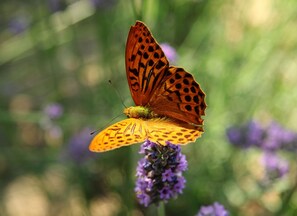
61, 54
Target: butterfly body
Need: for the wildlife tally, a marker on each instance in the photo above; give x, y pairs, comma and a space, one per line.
139, 112
169, 102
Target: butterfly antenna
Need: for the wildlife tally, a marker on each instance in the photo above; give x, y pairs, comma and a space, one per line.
95, 131
119, 95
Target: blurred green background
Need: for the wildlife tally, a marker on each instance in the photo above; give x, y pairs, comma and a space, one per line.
56, 58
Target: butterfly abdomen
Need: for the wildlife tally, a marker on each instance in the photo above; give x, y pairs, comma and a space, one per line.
139, 112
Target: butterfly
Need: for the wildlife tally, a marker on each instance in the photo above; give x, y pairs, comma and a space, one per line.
169, 102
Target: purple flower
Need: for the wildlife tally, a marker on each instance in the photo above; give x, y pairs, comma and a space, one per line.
289, 141
159, 173
167, 175
216, 209
18, 24
166, 193
278, 137
183, 163
271, 138
57, 5
77, 149
246, 136
255, 133
144, 199
170, 52
53, 110
275, 167
180, 185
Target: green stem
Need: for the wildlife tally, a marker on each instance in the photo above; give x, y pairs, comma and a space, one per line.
287, 200
161, 209
137, 14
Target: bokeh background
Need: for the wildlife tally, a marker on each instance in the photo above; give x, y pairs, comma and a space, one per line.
56, 58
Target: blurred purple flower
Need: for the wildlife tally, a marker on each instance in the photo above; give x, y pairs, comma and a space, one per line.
246, 136
159, 173
216, 209
53, 110
18, 24
77, 149
57, 5
278, 137
103, 4
275, 166
271, 138
170, 52
255, 133
289, 141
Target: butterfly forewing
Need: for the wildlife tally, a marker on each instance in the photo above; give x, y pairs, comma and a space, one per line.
123, 133
146, 64
168, 91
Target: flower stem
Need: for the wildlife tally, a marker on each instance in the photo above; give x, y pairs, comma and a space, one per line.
161, 209
287, 200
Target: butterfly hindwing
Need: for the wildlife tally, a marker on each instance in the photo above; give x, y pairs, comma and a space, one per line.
179, 97
163, 130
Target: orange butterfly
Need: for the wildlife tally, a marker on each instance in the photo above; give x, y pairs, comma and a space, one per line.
169, 102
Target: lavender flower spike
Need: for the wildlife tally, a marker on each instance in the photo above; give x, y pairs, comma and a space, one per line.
159, 173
